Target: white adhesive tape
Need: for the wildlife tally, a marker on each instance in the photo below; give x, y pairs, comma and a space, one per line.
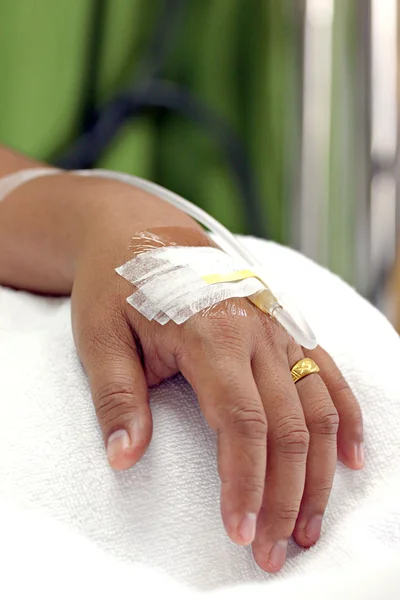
171, 281
265, 300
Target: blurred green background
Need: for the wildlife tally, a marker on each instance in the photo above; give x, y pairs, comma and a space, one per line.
245, 60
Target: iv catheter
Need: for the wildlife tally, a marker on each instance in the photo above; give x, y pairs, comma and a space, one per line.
266, 301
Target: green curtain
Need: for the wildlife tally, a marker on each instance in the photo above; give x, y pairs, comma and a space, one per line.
343, 179
240, 57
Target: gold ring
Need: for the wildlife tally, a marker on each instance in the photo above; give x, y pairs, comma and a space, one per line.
302, 368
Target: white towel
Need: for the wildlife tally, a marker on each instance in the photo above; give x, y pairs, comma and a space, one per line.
161, 518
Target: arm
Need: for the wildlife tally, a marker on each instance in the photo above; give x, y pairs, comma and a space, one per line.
64, 234
45, 223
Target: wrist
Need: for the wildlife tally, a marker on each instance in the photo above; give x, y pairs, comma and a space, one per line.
117, 212
51, 225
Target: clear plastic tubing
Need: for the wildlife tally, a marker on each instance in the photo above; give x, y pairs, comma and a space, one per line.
299, 329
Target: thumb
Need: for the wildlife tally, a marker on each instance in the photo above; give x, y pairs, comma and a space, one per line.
119, 390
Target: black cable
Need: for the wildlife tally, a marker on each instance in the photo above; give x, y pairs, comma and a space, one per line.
156, 94
91, 78
148, 93
162, 41
150, 67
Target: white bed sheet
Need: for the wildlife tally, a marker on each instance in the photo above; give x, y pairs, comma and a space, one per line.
68, 518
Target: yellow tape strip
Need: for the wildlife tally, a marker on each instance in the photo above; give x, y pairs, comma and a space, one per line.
266, 302
236, 276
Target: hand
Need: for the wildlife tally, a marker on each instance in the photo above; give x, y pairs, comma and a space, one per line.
277, 442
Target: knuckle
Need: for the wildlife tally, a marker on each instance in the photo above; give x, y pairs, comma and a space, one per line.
354, 414
225, 343
229, 342
325, 419
294, 353
340, 384
203, 330
274, 336
113, 400
291, 436
318, 497
248, 421
323, 490
287, 511
247, 484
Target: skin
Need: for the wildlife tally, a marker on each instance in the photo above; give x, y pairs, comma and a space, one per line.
278, 442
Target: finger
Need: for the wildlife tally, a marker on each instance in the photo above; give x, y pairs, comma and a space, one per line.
119, 389
350, 435
322, 423
232, 406
288, 441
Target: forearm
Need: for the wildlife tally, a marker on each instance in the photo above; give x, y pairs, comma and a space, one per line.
45, 223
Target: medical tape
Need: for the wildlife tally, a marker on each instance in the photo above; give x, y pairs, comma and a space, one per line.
298, 328
176, 282
236, 276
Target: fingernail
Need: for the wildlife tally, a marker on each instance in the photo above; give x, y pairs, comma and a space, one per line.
359, 455
117, 442
313, 528
277, 554
247, 528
